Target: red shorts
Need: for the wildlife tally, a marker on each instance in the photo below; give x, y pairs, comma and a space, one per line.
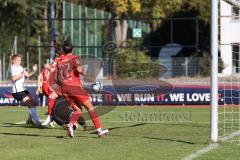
74, 93
46, 89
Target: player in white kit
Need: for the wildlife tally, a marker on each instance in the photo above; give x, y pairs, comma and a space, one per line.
19, 92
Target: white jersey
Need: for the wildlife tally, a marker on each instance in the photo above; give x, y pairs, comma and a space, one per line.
18, 85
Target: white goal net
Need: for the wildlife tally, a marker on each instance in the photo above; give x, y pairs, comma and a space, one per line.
229, 71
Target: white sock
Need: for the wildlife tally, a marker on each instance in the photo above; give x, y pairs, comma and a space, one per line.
99, 129
48, 117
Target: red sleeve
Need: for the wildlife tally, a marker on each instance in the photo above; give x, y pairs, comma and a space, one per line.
42, 71
77, 61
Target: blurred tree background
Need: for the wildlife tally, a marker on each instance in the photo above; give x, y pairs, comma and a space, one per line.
13, 14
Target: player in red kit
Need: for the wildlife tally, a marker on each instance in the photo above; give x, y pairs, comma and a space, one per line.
47, 74
68, 76
53, 91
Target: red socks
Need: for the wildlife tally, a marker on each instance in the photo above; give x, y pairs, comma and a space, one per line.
74, 117
93, 115
50, 105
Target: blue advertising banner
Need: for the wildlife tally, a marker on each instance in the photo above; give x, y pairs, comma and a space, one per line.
122, 95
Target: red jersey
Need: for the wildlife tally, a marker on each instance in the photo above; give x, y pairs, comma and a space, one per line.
45, 74
66, 69
53, 65
53, 81
45, 86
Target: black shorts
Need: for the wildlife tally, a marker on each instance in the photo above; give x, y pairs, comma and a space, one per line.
62, 112
20, 95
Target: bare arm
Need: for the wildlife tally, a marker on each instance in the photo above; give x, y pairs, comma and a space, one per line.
40, 78
27, 74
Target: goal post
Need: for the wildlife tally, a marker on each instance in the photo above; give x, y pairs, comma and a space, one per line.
228, 119
214, 71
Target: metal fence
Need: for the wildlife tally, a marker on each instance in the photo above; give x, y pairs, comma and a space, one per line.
175, 67
140, 37
95, 33
181, 66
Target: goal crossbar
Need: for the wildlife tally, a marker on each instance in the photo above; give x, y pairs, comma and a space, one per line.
233, 2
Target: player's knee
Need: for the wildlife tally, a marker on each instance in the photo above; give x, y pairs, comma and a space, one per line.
30, 102
75, 108
25, 99
88, 105
78, 111
90, 109
53, 95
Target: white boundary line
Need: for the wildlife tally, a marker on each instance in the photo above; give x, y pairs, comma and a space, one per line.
201, 152
210, 146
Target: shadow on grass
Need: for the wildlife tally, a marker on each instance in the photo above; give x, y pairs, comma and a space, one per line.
38, 135
92, 128
184, 124
135, 125
146, 137
13, 125
113, 128
156, 138
171, 140
194, 125
30, 135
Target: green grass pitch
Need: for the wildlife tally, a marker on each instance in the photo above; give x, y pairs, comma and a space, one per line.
136, 133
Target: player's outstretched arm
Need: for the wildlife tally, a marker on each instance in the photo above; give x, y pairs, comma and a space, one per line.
27, 74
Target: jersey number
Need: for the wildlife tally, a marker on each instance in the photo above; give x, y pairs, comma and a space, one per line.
64, 71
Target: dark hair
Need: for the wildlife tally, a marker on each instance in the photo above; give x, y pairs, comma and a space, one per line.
58, 48
67, 46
